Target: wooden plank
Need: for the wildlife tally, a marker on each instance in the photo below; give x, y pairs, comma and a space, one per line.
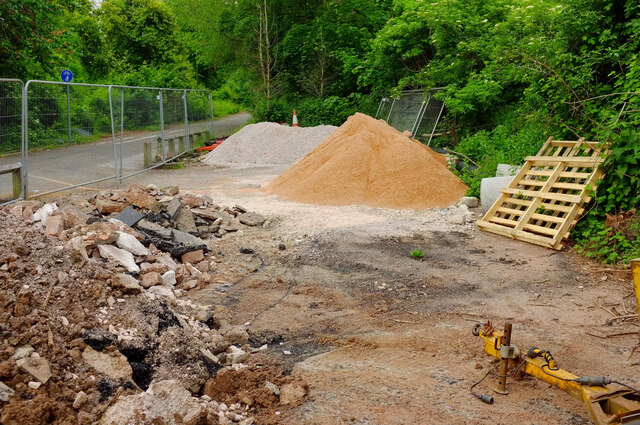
568, 186
540, 229
556, 207
571, 161
530, 182
505, 210
523, 236
503, 221
549, 218
545, 195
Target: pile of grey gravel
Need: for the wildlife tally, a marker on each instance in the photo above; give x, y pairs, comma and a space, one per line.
268, 143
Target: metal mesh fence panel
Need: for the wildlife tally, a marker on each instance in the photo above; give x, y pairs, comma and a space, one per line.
384, 108
10, 138
174, 121
405, 111
137, 122
68, 139
199, 114
432, 113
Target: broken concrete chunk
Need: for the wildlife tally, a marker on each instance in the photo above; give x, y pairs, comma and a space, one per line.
184, 221
189, 242
5, 392
251, 219
162, 291
23, 352
55, 225
154, 229
115, 367
126, 283
457, 218
193, 257
16, 211
272, 388
122, 257
169, 278
236, 355
131, 243
172, 190
207, 214
80, 400
174, 206
166, 259
240, 209
192, 200
469, 201
292, 394
232, 225
43, 214
130, 216
209, 356
37, 367
164, 402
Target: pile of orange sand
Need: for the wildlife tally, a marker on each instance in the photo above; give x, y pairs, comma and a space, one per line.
366, 161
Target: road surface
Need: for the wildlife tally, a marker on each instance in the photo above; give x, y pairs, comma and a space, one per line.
65, 166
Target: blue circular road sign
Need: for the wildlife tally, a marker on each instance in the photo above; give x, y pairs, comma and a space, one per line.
66, 76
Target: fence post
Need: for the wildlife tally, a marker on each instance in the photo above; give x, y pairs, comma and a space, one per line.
25, 139
435, 125
164, 147
69, 113
113, 137
186, 122
121, 129
213, 134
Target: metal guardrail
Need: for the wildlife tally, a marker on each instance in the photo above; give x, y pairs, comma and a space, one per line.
116, 132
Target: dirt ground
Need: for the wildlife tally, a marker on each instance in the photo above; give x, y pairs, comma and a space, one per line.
382, 338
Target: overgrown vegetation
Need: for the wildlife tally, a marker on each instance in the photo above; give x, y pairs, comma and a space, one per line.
513, 72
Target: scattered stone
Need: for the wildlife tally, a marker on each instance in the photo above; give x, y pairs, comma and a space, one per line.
193, 257
251, 219
37, 367
130, 216
115, 367
192, 200
167, 261
246, 251
232, 225
131, 243
42, 215
169, 278
122, 257
236, 355
55, 225
206, 214
138, 196
282, 247
16, 211
457, 218
172, 190
236, 335
209, 356
151, 279
164, 402
470, 201
5, 392
23, 352
272, 388
80, 400
184, 221
126, 283
34, 385
163, 291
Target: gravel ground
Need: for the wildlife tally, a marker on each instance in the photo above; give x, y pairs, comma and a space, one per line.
269, 143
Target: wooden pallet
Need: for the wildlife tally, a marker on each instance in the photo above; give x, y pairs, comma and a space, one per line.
545, 199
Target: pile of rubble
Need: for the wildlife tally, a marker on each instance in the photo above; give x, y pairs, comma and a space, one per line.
92, 329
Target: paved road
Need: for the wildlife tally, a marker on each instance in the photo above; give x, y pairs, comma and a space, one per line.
69, 165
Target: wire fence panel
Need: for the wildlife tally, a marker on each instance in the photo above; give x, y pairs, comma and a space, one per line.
137, 119
405, 111
10, 138
175, 123
68, 129
384, 108
432, 113
200, 119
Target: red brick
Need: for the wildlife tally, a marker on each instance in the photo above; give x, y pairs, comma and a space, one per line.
55, 225
193, 257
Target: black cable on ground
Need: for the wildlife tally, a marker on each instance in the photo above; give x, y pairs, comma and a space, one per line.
488, 399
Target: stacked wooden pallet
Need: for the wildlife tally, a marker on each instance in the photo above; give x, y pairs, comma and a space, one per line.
547, 196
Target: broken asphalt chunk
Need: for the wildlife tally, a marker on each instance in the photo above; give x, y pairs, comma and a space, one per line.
130, 216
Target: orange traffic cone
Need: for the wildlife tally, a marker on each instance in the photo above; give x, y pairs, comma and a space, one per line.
295, 119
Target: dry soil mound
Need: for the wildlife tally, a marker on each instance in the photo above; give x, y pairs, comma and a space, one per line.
366, 161
268, 143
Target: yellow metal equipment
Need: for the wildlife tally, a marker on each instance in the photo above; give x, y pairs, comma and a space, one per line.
609, 402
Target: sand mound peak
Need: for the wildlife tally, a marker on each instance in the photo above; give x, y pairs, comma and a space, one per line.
366, 161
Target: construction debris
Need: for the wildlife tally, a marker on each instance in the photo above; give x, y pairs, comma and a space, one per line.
94, 327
